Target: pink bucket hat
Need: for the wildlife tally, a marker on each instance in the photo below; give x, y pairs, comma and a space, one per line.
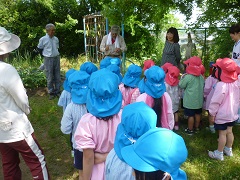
166, 66
228, 70
217, 61
194, 66
172, 76
147, 64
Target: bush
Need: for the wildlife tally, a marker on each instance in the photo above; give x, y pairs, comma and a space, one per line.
27, 67
32, 77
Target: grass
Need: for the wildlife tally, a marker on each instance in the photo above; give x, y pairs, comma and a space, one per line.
46, 117
199, 165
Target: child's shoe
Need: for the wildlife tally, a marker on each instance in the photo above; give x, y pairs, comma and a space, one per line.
72, 153
211, 129
216, 155
227, 151
176, 127
197, 130
189, 132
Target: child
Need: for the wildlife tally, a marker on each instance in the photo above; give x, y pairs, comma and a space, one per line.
104, 63
192, 82
223, 107
129, 84
89, 67
96, 130
133, 125
147, 64
78, 82
171, 52
209, 87
235, 35
172, 88
166, 66
153, 157
115, 69
65, 97
155, 96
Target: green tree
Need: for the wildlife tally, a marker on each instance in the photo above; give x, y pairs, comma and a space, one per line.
217, 16
144, 23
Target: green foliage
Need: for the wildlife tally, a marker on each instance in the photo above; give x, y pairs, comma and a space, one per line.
27, 19
144, 22
28, 70
217, 16
32, 77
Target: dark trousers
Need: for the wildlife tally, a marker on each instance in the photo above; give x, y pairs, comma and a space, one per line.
32, 155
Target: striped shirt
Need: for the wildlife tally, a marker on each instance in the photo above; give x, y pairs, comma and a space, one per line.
115, 168
72, 114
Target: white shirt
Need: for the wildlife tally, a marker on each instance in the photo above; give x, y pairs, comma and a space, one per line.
14, 124
236, 53
49, 45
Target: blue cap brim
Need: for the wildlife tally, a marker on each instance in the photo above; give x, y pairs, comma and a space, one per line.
135, 161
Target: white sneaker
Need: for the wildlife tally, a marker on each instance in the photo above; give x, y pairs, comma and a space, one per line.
212, 130
216, 155
227, 151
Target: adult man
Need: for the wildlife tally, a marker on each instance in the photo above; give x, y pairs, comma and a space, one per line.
113, 45
16, 131
49, 45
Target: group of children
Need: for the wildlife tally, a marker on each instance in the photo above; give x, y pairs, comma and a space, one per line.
122, 126
113, 118
105, 109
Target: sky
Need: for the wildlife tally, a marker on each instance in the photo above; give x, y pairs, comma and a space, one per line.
182, 17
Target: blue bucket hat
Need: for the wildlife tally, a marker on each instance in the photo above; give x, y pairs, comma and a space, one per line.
158, 149
141, 85
115, 69
104, 98
116, 61
134, 123
154, 84
89, 67
78, 81
65, 83
105, 62
132, 76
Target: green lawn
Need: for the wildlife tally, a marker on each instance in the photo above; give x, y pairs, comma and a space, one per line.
46, 116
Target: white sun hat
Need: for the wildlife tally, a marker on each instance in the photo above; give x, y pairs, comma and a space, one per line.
8, 41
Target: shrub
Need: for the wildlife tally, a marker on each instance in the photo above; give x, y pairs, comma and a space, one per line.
32, 77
